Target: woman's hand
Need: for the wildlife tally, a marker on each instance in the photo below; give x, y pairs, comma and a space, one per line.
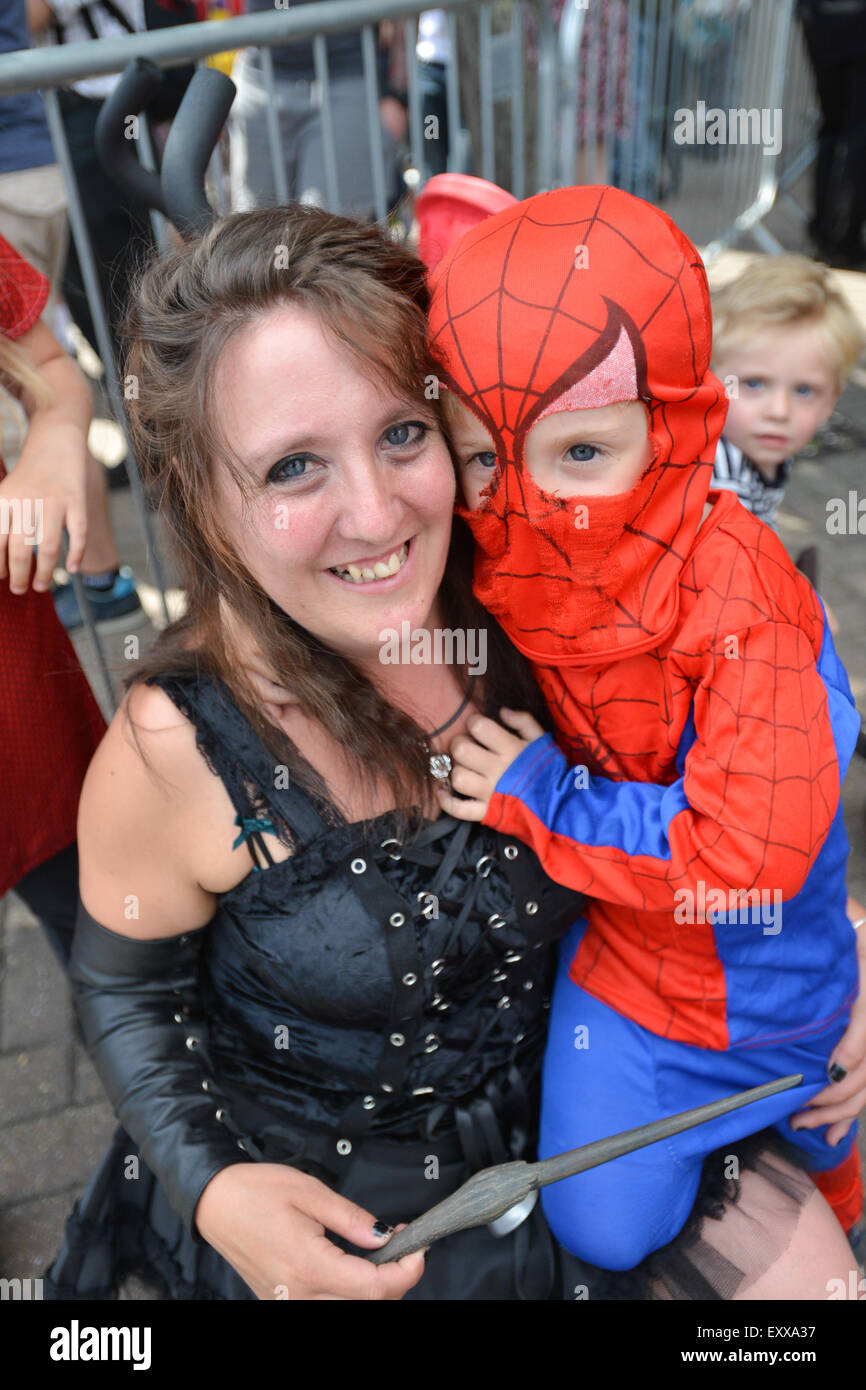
841, 1102
480, 759
269, 1222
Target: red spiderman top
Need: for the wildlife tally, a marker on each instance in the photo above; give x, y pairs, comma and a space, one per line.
577, 298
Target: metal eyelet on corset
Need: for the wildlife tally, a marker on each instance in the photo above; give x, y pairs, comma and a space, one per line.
391, 855
531, 908
178, 1018
410, 979
431, 1042
494, 921
344, 1147
205, 1085
440, 1008
369, 1102
423, 1091
484, 865
192, 1043
527, 984
396, 1039
358, 866
437, 967
396, 919
510, 851
504, 1002
220, 1114
499, 976
513, 957
387, 1089
242, 1145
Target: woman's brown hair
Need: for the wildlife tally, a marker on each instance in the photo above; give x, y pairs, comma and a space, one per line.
372, 295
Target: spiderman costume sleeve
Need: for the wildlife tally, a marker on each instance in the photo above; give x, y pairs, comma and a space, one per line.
767, 721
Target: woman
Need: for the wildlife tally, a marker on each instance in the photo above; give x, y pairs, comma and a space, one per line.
328, 1019
50, 724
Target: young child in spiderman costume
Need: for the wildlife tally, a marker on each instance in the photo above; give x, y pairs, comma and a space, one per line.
703, 720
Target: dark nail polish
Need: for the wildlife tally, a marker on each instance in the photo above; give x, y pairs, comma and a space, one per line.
380, 1230
837, 1073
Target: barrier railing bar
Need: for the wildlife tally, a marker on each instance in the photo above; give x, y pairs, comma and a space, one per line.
750, 218
374, 125
78, 226
329, 138
452, 93
547, 93
570, 36
272, 122
518, 77
660, 81
417, 135
184, 43
147, 158
485, 80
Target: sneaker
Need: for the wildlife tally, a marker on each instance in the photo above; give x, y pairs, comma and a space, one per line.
112, 608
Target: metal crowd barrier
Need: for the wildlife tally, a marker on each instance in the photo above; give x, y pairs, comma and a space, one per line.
502, 77
630, 92
705, 107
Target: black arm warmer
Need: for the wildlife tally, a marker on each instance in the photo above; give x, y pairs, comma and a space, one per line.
134, 1000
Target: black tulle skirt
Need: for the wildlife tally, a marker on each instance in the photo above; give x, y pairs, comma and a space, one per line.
124, 1226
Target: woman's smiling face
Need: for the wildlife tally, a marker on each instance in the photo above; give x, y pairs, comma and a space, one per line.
351, 485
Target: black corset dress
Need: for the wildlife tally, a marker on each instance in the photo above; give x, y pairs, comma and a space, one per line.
374, 1013
370, 1011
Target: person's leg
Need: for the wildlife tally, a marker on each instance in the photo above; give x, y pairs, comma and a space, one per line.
434, 117
353, 158
251, 169
818, 1264
33, 219
599, 1079
51, 893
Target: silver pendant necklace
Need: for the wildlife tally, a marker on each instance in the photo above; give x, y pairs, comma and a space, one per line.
440, 763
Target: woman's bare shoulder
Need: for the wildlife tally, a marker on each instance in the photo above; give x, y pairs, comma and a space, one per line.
134, 819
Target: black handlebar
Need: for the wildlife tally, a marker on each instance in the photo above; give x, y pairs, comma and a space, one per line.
178, 190
192, 138
136, 88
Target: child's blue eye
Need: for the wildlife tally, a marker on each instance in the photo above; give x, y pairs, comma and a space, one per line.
487, 459
582, 453
754, 383
804, 390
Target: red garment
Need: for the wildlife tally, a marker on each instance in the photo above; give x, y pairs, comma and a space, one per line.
50, 724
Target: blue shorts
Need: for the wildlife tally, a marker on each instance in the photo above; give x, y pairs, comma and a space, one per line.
604, 1074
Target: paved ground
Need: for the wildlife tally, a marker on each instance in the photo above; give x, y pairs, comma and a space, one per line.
56, 1120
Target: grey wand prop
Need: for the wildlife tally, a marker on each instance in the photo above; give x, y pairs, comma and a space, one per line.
494, 1191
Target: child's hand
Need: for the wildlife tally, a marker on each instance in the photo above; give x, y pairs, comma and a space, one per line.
480, 759
50, 473
254, 665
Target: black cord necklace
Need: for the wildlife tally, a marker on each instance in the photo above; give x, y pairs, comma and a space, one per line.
440, 763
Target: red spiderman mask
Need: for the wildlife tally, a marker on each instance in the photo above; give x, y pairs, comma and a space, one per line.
578, 298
